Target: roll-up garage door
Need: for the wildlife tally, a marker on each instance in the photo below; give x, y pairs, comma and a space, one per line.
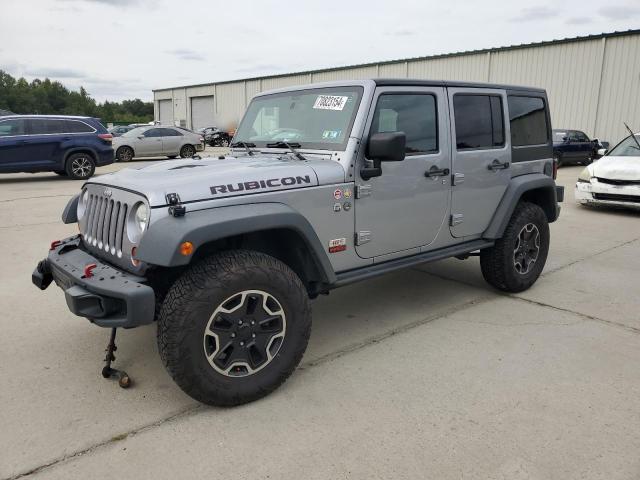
166, 112
202, 114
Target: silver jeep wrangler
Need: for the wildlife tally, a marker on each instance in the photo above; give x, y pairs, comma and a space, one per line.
325, 185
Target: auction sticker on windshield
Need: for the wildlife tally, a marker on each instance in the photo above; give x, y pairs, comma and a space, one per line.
330, 102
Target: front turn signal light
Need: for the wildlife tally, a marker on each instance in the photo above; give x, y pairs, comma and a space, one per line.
186, 248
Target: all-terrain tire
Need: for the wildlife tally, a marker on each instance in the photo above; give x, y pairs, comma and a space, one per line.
80, 166
188, 310
501, 263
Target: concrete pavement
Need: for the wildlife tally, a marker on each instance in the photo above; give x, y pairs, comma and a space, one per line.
425, 373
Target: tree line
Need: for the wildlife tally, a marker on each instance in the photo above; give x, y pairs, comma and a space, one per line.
53, 98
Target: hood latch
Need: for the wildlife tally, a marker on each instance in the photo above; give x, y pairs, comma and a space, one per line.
176, 209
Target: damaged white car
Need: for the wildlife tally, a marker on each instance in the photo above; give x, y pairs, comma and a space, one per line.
614, 179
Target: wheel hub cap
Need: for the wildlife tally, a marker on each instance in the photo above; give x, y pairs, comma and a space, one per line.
527, 249
81, 167
244, 333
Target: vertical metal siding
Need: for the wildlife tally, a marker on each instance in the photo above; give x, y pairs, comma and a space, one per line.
593, 85
620, 89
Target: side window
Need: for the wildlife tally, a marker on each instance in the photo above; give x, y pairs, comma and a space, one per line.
12, 127
528, 119
479, 121
414, 114
581, 137
153, 132
54, 126
37, 126
76, 126
169, 132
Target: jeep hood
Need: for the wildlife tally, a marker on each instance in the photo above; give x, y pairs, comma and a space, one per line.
617, 168
210, 177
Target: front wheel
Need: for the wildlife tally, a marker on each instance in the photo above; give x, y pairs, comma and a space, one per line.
80, 166
187, 151
224, 142
234, 327
124, 154
516, 260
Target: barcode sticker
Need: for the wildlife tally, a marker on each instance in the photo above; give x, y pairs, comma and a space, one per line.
330, 102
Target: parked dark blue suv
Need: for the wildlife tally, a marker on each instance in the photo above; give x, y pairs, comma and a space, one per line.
71, 146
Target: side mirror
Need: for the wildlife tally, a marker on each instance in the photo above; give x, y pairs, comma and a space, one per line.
384, 147
602, 152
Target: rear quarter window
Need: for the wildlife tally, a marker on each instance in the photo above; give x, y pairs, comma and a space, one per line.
76, 126
528, 120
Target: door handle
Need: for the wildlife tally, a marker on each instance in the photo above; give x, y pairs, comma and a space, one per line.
497, 165
434, 171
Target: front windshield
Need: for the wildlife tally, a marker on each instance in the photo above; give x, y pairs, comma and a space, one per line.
320, 118
134, 132
626, 148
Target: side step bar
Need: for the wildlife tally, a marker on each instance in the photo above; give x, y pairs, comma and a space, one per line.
352, 276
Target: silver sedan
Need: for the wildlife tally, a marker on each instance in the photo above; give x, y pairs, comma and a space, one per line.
155, 141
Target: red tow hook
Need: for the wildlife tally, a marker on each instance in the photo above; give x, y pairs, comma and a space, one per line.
54, 244
88, 270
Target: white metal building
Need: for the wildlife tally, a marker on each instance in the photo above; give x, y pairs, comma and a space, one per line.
593, 82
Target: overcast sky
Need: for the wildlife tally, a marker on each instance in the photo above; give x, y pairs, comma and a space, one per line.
120, 49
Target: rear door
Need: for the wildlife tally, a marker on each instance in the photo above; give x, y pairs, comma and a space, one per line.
481, 157
403, 209
43, 146
171, 141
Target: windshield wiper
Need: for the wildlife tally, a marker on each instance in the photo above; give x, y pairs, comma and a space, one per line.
247, 146
290, 146
632, 135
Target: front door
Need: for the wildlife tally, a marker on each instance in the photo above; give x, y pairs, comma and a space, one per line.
149, 143
404, 209
481, 157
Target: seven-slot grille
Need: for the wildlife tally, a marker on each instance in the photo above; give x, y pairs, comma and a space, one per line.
105, 224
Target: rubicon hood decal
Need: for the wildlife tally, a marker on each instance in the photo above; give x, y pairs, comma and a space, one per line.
279, 183
213, 178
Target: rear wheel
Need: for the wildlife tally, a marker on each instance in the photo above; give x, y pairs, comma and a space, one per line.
187, 151
516, 260
124, 154
80, 166
234, 327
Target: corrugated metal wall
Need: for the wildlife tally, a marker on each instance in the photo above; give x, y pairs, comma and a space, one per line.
593, 84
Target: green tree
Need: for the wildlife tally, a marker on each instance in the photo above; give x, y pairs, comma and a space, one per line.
52, 97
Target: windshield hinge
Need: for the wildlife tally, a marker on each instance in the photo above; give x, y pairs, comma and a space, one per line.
363, 191
176, 209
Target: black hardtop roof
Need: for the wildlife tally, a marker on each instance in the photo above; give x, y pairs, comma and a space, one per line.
406, 82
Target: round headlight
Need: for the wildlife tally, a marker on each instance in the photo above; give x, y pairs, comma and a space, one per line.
142, 217
82, 204
137, 222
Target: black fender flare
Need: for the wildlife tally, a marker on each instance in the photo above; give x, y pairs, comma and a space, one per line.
544, 185
70, 212
160, 244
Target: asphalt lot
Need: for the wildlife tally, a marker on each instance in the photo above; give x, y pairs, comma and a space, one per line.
425, 373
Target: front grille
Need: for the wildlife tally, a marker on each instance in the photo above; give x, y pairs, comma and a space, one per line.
105, 224
610, 181
617, 198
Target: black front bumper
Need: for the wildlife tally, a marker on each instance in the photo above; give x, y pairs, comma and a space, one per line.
109, 298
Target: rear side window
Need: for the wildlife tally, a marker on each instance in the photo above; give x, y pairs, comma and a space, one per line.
76, 126
41, 126
528, 120
12, 127
169, 132
414, 114
479, 121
